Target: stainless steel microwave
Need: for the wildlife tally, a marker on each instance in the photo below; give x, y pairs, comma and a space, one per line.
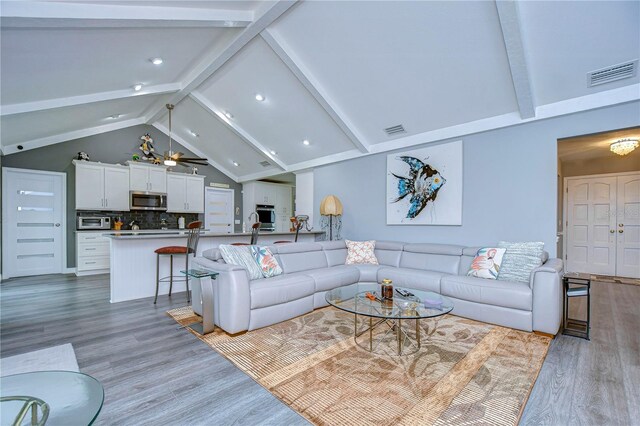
147, 201
94, 222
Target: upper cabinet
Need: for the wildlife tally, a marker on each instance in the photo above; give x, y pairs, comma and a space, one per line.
185, 193
147, 178
101, 186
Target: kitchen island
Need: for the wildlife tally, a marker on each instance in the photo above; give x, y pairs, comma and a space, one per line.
133, 260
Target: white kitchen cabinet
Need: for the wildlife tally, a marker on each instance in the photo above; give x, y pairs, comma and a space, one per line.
277, 195
147, 177
101, 186
185, 193
92, 253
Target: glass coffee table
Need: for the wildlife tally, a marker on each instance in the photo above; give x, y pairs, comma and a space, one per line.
385, 320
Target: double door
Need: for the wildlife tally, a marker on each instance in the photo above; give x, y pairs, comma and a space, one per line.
603, 225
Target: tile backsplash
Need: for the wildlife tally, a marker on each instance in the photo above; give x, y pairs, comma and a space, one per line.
145, 219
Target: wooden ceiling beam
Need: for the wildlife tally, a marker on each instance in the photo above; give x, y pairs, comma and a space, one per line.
205, 69
44, 14
510, 23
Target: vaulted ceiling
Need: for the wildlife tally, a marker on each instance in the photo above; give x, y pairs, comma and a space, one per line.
333, 73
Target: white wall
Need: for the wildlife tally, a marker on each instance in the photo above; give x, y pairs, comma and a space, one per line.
509, 184
304, 194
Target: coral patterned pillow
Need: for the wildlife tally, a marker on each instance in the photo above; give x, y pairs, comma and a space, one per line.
266, 261
361, 252
487, 263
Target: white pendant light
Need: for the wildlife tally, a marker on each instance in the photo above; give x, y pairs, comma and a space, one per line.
169, 161
624, 146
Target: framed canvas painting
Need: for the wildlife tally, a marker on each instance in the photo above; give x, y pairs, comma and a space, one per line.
424, 186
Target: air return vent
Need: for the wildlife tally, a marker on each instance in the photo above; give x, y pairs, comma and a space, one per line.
265, 163
612, 73
394, 130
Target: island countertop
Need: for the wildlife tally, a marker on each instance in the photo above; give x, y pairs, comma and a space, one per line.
182, 233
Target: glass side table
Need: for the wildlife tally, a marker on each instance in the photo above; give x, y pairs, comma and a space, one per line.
202, 299
576, 285
71, 398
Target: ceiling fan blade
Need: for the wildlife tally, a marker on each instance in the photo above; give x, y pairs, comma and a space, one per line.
193, 162
193, 159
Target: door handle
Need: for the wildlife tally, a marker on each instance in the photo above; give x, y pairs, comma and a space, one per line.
612, 231
57, 225
621, 225
106, 202
620, 231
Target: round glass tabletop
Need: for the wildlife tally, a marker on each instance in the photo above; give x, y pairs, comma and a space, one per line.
366, 299
73, 398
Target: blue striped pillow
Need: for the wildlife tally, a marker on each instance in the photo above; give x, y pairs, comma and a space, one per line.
519, 260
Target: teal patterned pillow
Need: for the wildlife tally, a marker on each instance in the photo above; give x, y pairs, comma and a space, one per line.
266, 261
241, 256
519, 260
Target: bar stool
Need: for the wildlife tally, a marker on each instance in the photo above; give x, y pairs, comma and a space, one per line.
192, 244
255, 228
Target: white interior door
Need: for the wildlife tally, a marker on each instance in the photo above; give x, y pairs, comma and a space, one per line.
33, 205
218, 210
628, 227
591, 225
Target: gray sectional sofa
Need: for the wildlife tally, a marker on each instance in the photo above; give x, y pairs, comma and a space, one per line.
311, 269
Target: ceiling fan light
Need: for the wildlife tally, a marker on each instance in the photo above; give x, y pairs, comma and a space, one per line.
170, 163
624, 146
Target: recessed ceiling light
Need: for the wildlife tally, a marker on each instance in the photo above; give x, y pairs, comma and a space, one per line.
114, 116
273, 152
235, 163
305, 142
194, 134
260, 97
156, 61
137, 87
228, 114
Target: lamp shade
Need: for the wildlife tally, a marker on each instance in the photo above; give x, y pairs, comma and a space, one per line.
331, 206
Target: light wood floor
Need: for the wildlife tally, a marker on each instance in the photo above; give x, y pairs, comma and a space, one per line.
155, 373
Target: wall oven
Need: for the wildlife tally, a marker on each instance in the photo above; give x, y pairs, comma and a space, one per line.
93, 222
147, 201
267, 217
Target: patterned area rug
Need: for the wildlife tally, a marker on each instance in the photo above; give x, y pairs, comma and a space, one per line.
465, 372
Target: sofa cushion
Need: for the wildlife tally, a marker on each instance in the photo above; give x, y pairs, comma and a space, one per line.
241, 256
445, 263
519, 260
491, 292
266, 261
212, 254
411, 278
368, 273
301, 257
449, 249
337, 276
336, 252
388, 252
487, 262
281, 289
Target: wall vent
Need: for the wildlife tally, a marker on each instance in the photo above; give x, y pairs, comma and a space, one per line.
394, 130
612, 73
265, 163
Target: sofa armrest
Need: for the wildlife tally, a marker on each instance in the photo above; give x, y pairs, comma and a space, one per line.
232, 297
546, 285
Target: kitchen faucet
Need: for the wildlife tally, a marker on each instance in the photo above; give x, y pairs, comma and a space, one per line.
257, 217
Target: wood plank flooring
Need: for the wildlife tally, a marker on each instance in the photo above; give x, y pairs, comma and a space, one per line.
155, 373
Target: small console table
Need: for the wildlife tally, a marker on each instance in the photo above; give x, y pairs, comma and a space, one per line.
202, 299
576, 285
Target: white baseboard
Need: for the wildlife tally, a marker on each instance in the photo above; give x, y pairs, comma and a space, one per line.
91, 272
0, 277
69, 271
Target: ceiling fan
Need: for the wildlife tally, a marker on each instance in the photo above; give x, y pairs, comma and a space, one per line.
173, 158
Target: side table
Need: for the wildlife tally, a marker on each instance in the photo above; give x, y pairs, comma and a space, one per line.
202, 299
576, 285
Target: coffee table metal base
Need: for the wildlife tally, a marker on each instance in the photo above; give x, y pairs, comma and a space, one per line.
403, 342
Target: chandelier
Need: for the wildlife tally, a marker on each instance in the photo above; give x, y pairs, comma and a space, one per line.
624, 146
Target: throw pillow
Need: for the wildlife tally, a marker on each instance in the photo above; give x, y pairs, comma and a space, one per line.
519, 260
266, 261
360, 252
241, 256
487, 263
